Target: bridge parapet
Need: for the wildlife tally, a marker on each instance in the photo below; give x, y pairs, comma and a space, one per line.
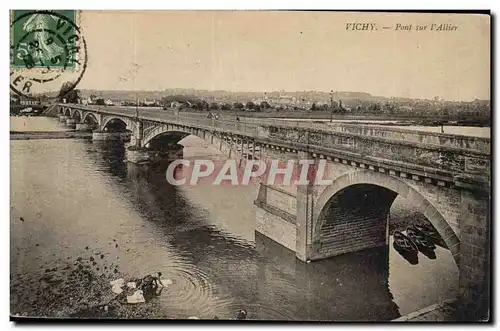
383, 131
427, 160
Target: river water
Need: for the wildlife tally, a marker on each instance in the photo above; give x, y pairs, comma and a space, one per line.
76, 196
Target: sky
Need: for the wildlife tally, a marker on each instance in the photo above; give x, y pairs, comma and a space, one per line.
291, 51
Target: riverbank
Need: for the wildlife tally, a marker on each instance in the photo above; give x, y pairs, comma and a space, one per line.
75, 287
31, 135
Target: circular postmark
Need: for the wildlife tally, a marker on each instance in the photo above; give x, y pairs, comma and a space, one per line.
48, 53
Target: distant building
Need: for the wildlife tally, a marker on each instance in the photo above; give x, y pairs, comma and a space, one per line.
90, 100
175, 104
109, 102
28, 102
127, 103
149, 102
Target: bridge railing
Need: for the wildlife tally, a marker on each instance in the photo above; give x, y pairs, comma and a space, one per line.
480, 144
244, 128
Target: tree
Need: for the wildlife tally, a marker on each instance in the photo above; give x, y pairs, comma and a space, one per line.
100, 102
313, 107
201, 105
73, 96
179, 98
204, 105
445, 111
375, 108
68, 93
265, 105
214, 106
238, 105
65, 87
198, 105
250, 105
15, 99
226, 106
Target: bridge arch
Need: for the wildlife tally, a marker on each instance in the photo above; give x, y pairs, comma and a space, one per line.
77, 115
90, 118
386, 188
121, 123
174, 135
67, 112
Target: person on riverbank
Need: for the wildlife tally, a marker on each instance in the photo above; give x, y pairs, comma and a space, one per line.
151, 284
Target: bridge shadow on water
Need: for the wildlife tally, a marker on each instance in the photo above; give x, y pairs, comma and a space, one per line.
109, 156
262, 276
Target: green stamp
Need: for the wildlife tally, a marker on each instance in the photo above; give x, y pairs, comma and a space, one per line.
38, 38
46, 47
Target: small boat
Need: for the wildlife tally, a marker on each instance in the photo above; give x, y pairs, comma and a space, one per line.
403, 243
428, 231
420, 239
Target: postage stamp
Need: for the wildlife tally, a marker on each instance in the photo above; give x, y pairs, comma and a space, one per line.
48, 52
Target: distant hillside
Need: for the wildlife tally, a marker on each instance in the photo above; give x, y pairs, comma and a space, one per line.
353, 95
228, 95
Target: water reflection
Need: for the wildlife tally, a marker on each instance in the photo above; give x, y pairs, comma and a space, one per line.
351, 287
111, 155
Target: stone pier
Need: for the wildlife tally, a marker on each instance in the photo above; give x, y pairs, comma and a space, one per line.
71, 122
84, 127
136, 154
104, 135
473, 266
63, 118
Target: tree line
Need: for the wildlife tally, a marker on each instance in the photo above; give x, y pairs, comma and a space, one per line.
396, 107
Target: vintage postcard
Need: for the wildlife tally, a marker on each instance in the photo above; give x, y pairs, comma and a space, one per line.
250, 165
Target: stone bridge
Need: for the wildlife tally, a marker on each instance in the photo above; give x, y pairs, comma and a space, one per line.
446, 177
